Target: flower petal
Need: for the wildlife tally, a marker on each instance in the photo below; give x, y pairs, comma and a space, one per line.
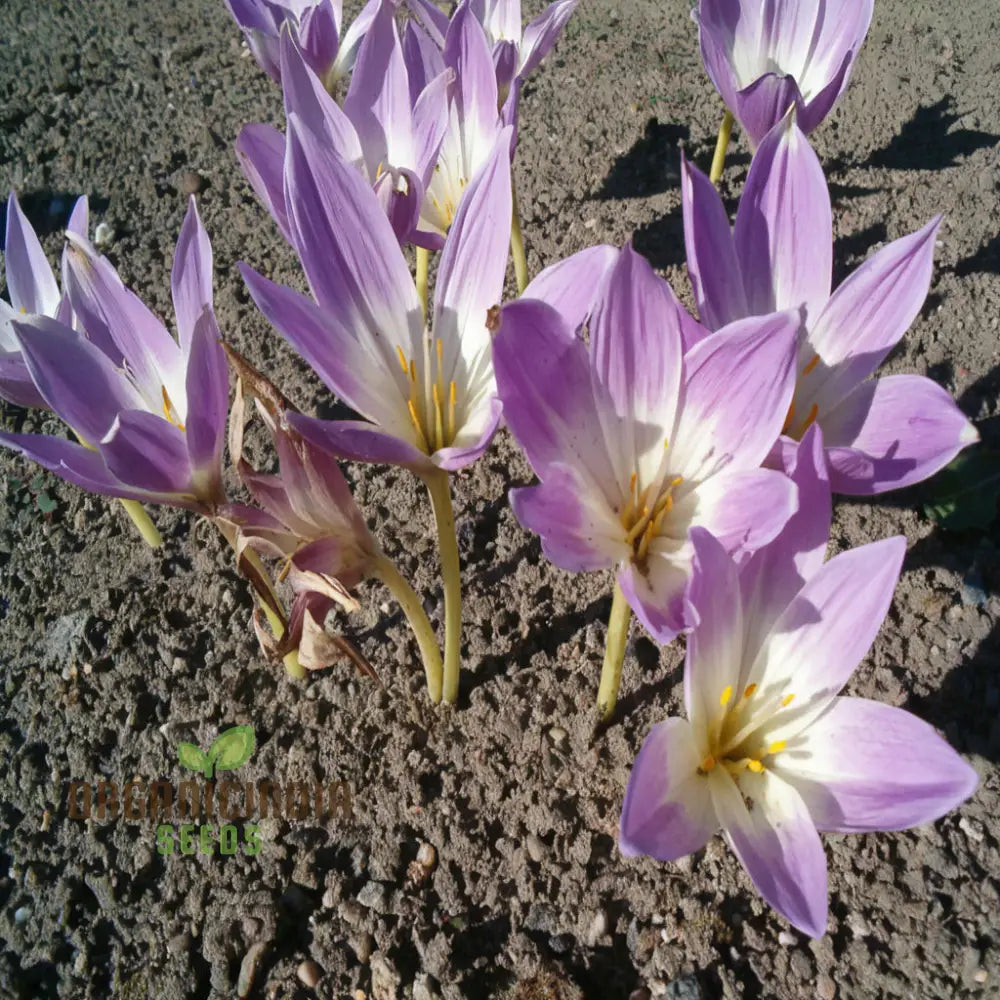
364, 282
541, 34
865, 766
148, 453
261, 153
777, 571
344, 362
906, 427
31, 284
434, 20
762, 105
635, 353
208, 404
577, 529
668, 811
711, 252
825, 632
75, 378
191, 275
573, 285
356, 440
16, 385
715, 645
656, 591
869, 313
739, 383
777, 843
474, 438
784, 230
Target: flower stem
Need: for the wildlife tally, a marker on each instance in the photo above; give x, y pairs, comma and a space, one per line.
293, 668
517, 244
385, 570
144, 524
439, 487
721, 145
423, 266
614, 653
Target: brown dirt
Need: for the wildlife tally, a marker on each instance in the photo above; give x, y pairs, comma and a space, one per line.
111, 654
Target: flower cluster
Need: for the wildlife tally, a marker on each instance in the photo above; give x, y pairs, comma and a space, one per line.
693, 457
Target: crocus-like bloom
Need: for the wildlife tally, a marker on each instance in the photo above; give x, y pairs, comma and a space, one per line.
314, 24
764, 56
430, 395
879, 434
637, 440
516, 52
769, 752
308, 518
150, 411
33, 292
391, 138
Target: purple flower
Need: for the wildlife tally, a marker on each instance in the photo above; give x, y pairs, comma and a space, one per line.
428, 396
638, 439
766, 55
769, 752
149, 410
879, 434
33, 292
516, 52
316, 25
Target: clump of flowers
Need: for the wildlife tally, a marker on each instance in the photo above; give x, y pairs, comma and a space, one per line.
693, 457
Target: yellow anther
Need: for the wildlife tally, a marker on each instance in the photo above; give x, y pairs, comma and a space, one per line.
421, 439
438, 418
402, 360
440, 354
789, 417
777, 746
632, 482
749, 690
413, 372
24, 312
707, 764
168, 409
727, 694
787, 700
812, 364
755, 765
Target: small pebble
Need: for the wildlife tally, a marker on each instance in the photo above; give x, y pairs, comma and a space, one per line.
426, 855
558, 735
309, 974
21, 914
248, 968
980, 976
826, 988
329, 898
363, 945
786, 940
104, 235
192, 182
536, 849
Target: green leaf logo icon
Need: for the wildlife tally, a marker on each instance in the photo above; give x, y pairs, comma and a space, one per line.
231, 749
191, 757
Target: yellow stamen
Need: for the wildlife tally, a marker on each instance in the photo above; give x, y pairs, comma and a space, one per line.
452, 400
727, 693
813, 412
438, 418
777, 746
812, 364
707, 765
789, 417
755, 765
402, 360
750, 688
421, 439
787, 700
168, 410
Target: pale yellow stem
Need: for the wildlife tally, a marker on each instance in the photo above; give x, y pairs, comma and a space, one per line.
614, 653
439, 487
517, 245
423, 267
144, 524
385, 570
721, 145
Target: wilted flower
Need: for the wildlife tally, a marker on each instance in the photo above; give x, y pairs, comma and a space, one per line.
769, 753
765, 57
33, 291
316, 25
637, 440
149, 410
879, 434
